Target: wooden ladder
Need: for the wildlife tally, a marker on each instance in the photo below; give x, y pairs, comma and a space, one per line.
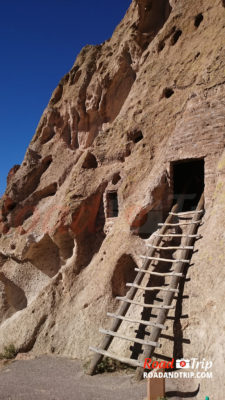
191, 220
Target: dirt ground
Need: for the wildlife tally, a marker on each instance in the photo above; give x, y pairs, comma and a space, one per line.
52, 378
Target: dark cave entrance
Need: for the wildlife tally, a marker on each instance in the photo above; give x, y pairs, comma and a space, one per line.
188, 182
112, 206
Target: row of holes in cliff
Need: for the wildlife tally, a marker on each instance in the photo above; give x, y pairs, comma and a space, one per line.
176, 33
168, 91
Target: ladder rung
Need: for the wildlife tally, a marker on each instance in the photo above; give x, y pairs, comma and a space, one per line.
138, 321
148, 288
171, 247
165, 259
145, 305
180, 223
129, 361
160, 273
187, 212
175, 235
135, 340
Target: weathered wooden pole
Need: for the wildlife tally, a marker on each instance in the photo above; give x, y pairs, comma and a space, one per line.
130, 295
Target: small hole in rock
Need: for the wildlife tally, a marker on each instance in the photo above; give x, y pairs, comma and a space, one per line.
147, 54
198, 20
90, 161
11, 206
145, 45
116, 178
161, 46
168, 92
136, 136
47, 161
175, 37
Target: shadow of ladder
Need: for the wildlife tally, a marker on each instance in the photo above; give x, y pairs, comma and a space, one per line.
175, 276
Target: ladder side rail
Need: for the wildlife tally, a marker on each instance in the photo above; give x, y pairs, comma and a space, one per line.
130, 295
155, 334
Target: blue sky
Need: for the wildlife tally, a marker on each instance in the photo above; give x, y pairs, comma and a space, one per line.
39, 41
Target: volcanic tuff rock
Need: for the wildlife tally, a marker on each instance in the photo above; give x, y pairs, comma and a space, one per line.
152, 94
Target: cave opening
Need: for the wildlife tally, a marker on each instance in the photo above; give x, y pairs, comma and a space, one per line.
198, 20
188, 183
161, 46
176, 37
112, 206
90, 161
124, 273
168, 92
136, 136
116, 178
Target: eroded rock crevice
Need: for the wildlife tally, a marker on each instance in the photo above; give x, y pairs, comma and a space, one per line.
98, 101
65, 242
14, 295
146, 220
152, 16
26, 209
12, 173
90, 161
31, 340
43, 253
88, 228
117, 92
78, 124
22, 189
124, 272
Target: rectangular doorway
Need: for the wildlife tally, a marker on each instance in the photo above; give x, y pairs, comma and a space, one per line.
188, 182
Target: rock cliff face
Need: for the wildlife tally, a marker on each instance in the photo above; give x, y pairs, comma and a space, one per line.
151, 95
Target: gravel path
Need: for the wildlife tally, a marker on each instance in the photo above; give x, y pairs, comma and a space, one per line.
52, 378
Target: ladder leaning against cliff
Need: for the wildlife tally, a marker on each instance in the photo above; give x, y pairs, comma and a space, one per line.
175, 276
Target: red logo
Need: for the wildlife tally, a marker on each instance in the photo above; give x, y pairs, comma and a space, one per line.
150, 364
182, 364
